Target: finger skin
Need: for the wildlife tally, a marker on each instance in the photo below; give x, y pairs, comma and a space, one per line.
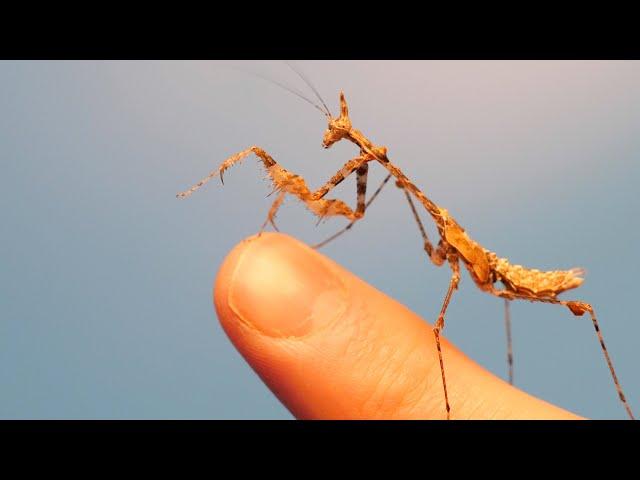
330, 346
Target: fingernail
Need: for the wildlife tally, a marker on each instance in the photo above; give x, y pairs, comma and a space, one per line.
284, 288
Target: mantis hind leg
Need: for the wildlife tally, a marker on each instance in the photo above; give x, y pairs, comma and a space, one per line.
578, 308
507, 324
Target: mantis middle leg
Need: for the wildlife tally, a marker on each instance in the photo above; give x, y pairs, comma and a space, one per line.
453, 285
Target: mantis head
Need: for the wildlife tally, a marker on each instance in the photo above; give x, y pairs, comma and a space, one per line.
338, 128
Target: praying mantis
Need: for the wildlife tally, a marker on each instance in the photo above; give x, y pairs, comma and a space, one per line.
454, 247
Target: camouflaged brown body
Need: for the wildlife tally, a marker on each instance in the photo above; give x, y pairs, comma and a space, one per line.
484, 266
487, 268
532, 281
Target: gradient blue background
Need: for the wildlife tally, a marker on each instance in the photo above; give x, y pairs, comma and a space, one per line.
105, 278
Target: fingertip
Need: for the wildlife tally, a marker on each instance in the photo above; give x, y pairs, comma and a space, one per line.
222, 283
331, 346
278, 286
